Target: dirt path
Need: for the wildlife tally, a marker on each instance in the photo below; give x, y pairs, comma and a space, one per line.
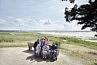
91, 40
20, 56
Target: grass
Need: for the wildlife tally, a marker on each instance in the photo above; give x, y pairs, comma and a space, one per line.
15, 44
16, 37
93, 39
80, 42
13, 39
80, 49
85, 55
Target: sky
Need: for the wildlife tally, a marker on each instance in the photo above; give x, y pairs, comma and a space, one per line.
36, 15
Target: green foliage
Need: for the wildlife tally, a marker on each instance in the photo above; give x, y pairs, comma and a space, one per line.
86, 14
7, 39
15, 37
71, 1
25, 37
80, 42
13, 44
57, 43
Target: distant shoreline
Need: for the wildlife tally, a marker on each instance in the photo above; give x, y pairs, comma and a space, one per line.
41, 31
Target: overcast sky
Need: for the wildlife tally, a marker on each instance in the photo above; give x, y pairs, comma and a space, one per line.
35, 15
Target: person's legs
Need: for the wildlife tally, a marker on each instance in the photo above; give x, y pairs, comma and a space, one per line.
43, 54
46, 54
35, 51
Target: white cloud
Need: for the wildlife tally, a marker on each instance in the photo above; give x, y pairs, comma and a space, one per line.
41, 24
2, 21
37, 24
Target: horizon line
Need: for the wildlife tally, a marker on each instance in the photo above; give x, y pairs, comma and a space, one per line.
44, 31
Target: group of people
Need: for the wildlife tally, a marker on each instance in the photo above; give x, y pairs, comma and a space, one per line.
42, 47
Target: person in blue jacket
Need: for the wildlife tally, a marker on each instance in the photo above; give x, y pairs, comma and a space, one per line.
53, 47
53, 50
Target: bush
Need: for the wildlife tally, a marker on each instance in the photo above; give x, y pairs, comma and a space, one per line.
57, 43
4, 39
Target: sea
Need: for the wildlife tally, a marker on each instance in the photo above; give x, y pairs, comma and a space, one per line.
82, 34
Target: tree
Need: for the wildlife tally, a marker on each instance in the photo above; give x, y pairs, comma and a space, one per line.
86, 14
71, 1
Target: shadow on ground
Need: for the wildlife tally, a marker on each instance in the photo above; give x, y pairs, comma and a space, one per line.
95, 63
30, 52
33, 58
38, 59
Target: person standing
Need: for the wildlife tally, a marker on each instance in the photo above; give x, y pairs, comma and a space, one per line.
35, 45
46, 40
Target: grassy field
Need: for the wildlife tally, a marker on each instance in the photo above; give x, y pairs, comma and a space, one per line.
21, 38
75, 47
80, 42
80, 49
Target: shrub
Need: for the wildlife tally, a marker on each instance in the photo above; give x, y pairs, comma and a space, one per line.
5, 39
57, 43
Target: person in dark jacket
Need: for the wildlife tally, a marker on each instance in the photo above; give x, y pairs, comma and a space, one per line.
35, 45
53, 47
53, 52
